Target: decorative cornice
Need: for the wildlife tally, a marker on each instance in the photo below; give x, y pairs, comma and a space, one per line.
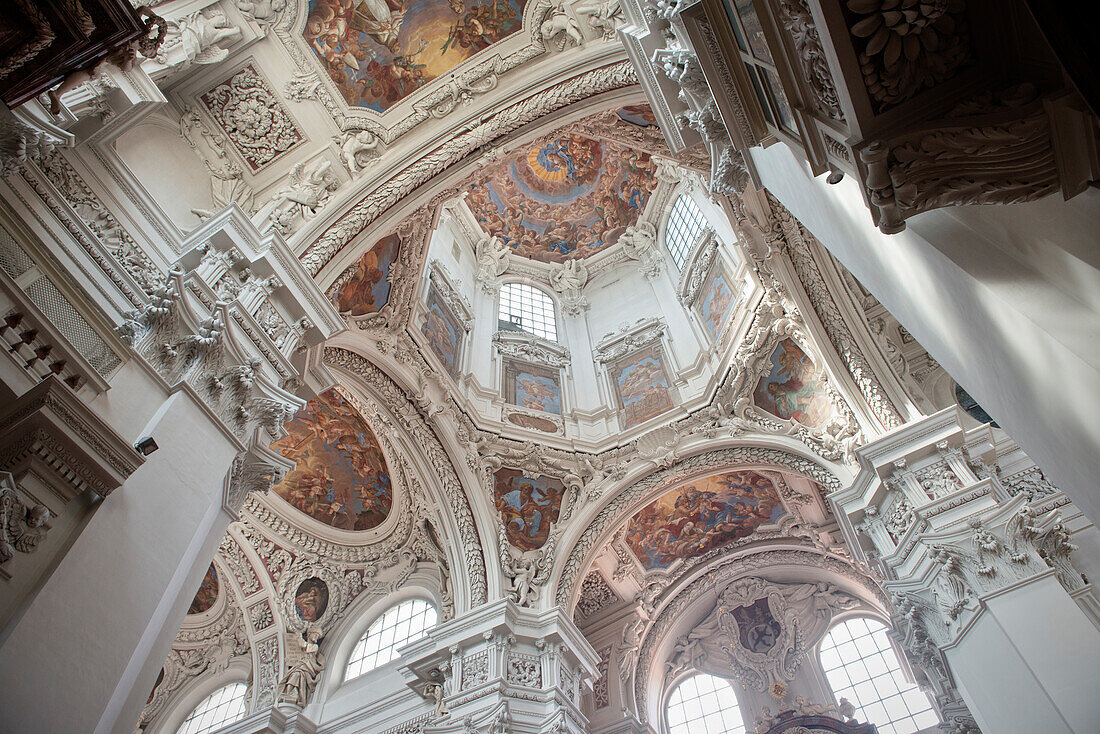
531, 348
629, 339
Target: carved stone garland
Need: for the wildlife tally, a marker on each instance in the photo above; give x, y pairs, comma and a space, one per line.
399, 405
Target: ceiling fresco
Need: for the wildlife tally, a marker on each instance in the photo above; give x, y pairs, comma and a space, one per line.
564, 198
207, 593
367, 289
340, 477
380, 51
700, 515
528, 504
792, 389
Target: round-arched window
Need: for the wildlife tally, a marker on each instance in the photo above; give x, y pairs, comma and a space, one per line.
684, 225
221, 708
526, 308
704, 704
399, 625
862, 666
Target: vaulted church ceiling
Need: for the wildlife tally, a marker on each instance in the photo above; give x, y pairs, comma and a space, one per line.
564, 197
340, 476
378, 52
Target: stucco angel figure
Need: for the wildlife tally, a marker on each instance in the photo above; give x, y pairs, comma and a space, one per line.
310, 187
297, 685
556, 22
198, 36
21, 527
493, 258
603, 15
523, 572
124, 58
359, 148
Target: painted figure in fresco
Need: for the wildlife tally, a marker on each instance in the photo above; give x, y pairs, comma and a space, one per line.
564, 197
311, 599
644, 389
441, 336
207, 593
377, 52
528, 505
535, 393
340, 476
702, 515
368, 288
717, 305
792, 390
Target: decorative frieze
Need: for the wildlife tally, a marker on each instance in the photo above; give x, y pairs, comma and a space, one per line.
530, 348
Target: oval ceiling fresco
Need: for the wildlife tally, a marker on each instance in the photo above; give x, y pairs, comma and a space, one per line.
700, 515
564, 198
340, 476
380, 51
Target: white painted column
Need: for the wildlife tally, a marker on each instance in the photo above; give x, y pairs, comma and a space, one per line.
85, 654
1004, 297
1029, 662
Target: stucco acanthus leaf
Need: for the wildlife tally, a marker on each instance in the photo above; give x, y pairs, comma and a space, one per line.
798, 21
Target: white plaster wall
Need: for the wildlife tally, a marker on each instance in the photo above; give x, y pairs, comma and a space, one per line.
1009, 329
168, 169
100, 627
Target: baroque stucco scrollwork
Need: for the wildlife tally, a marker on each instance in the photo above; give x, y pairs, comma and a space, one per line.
759, 652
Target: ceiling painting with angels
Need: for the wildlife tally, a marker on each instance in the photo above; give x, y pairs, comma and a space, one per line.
378, 52
340, 477
564, 197
701, 515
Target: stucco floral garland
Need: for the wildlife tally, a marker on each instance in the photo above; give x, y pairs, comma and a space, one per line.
401, 406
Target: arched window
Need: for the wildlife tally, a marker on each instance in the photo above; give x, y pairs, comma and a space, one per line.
529, 309
862, 667
398, 626
684, 225
704, 704
220, 708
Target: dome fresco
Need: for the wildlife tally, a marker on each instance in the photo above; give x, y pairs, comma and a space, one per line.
340, 477
565, 197
700, 515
